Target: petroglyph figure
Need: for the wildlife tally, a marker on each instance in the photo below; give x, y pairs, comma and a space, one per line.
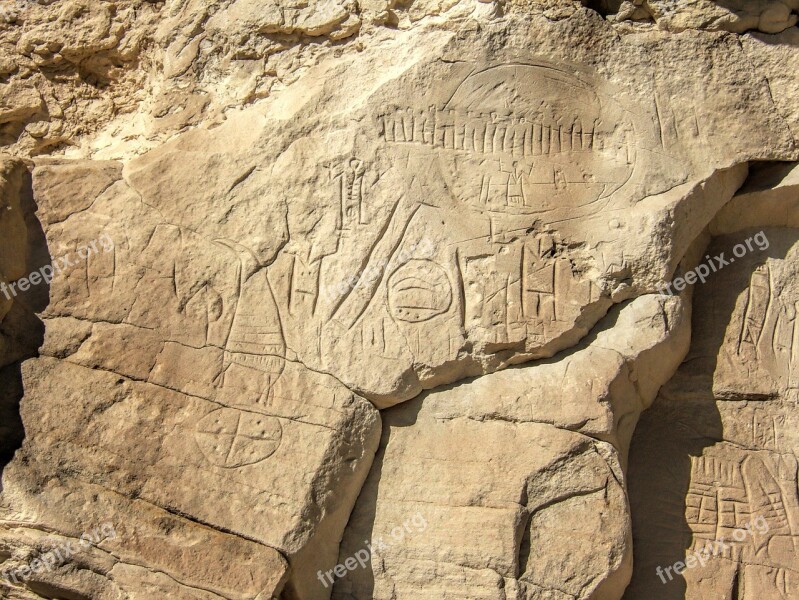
348, 183
232, 438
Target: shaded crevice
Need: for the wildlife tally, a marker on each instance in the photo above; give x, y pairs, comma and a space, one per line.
736, 586
604, 7
524, 546
12, 430
766, 175
21, 330
54, 592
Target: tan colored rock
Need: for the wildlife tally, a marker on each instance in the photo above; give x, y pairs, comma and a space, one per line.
312, 19
188, 456
774, 61
237, 230
770, 198
14, 242
435, 262
736, 16
133, 551
213, 404
497, 487
68, 68
713, 464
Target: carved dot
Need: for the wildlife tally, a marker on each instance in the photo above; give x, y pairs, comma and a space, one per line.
419, 290
247, 439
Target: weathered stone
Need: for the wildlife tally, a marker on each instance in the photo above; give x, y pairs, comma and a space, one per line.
713, 469
517, 477
232, 233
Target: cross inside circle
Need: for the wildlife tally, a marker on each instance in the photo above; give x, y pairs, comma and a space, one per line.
233, 438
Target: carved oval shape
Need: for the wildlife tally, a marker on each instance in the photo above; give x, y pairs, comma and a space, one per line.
418, 291
231, 438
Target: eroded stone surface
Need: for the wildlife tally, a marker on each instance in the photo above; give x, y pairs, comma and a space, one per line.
518, 475
435, 237
714, 461
264, 222
737, 16
219, 464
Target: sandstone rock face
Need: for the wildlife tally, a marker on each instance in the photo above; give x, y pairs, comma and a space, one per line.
725, 475
397, 300
518, 476
737, 16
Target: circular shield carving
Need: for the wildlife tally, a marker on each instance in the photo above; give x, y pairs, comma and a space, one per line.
233, 438
418, 291
536, 138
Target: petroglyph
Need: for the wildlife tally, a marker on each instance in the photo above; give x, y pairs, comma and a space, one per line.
330, 216
231, 438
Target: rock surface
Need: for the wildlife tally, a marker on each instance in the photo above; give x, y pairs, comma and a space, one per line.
393, 300
519, 475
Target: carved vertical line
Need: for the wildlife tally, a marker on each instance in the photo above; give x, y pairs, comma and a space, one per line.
745, 318
479, 135
388, 127
484, 192
523, 273
488, 143
291, 281
768, 307
449, 131
399, 127
793, 359
519, 135
555, 292
528, 141
429, 126
499, 139
461, 288
468, 134
508, 138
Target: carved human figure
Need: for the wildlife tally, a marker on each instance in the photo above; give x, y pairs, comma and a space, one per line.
488, 162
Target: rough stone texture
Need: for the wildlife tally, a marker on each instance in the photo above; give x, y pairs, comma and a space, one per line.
280, 279
718, 447
519, 474
735, 16
732, 459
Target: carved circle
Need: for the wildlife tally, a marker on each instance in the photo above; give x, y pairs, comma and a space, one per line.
534, 138
231, 438
418, 291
